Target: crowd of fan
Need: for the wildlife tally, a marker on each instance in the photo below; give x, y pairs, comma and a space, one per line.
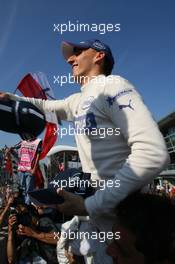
31, 230
34, 231
161, 187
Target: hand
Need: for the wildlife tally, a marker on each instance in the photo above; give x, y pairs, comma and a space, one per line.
70, 256
32, 172
25, 231
4, 96
11, 221
73, 204
10, 200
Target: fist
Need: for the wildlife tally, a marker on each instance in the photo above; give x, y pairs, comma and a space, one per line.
4, 96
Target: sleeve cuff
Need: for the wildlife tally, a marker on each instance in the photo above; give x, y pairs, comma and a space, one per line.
91, 206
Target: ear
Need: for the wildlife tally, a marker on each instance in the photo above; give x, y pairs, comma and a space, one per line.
99, 56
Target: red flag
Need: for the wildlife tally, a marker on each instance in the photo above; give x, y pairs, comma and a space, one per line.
30, 88
8, 162
37, 86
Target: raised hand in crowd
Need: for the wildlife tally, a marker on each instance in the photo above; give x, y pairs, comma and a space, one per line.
3, 213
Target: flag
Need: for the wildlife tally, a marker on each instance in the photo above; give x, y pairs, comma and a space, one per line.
8, 162
37, 86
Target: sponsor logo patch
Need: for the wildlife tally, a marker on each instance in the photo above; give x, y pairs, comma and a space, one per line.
127, 105
87, 103
111, 99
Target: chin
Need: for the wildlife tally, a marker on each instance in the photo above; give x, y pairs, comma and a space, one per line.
76, 74
77, 77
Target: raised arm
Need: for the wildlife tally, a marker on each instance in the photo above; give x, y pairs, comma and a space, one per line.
60, 107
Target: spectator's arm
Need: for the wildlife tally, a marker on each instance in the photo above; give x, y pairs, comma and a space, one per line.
11, 250
2, 215
49, 238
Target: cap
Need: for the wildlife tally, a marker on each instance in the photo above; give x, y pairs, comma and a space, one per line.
67, 48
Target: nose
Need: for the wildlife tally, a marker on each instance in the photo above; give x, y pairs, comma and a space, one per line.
71, 59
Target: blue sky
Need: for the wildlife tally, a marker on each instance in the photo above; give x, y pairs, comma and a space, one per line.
143, 48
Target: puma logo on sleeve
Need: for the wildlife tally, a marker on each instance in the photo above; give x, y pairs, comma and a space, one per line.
125, 106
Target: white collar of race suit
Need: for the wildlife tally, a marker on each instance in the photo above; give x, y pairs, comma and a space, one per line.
99, 79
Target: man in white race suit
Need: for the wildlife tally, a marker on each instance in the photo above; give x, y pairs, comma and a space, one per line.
120, 144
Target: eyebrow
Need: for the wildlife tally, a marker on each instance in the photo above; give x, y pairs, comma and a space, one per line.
77, 49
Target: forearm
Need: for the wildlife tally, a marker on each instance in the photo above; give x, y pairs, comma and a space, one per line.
11, 248
57, 106
48, 238
3, 214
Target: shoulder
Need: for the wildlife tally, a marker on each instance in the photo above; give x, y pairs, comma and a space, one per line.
116, 87
116, 84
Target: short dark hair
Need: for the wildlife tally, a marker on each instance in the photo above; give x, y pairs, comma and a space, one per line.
107, 66
151, 218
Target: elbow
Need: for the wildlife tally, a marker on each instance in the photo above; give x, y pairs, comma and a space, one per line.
10, 260
163, 159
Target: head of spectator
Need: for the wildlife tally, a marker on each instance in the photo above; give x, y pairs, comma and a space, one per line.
16, 190
8, 192
17, 193
147, 230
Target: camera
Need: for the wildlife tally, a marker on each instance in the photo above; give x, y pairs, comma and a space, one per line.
23, 213
13, 211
